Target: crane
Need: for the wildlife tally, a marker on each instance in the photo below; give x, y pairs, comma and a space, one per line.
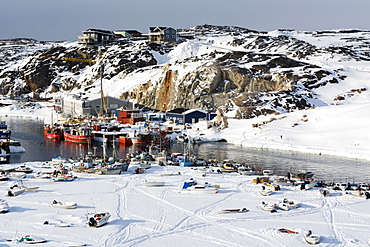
101, 72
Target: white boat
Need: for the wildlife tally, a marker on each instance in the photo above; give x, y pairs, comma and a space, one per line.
324, 192
282, 206
153, 183
267, 172
291, 204
17, 175
357, 194
4, 207
65, 205
16, 147
233, 211
97, 220
4, 177
340, 186
15, 191
268, 207
248, 171
182, 138
72, 244
308, 184
24, 169
196, 188
27, 239
311, 238
26, 187
265, 192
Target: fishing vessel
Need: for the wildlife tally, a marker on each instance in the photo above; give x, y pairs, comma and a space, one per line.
80, 135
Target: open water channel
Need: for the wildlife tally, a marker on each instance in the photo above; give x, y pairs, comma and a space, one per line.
29, 131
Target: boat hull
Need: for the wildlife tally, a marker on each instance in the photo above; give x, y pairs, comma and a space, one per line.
78, 138
65, 205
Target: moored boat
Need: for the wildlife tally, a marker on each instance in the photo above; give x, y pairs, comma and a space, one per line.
311, 238
248, 171
98, 219
324, 192
17, 175
65, 205
26, 187
27, 239
233, 211
265, 192
81, 135
4, 206
15, 191
24, 169
357, 194
16, 147
291, 204
268, 207
153, 183
193, 187
54, 133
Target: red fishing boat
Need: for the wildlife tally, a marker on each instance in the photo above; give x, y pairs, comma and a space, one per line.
53, 132
81, 135
149, 137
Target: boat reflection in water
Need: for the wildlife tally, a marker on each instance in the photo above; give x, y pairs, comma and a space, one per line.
29, 132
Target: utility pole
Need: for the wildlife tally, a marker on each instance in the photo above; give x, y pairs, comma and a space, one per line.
103, 103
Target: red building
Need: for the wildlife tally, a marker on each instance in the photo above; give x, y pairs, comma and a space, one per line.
130, 116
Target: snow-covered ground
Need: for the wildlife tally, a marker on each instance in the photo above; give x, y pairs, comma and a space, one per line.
161, 216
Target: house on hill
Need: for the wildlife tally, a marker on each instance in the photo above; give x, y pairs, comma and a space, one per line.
92, 37
75, 105
129, 34
162, 34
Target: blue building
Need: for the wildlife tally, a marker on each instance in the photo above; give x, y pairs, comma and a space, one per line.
181, 116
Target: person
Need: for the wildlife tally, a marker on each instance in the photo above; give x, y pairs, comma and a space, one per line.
55, 202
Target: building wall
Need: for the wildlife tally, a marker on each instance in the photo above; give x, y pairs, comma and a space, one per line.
169, 35
93, 107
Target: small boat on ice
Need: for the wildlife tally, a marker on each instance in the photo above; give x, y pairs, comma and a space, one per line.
311, 238
4, 177
233, 211
4, 207
26, 187
324, 192
357, 194
15, 191
153, 183
291, 204
265, 192
27, 239
17, 175
268, 207
282, 206
193, 187
308, 184
24, 169
65, 205
284, 230
97, 220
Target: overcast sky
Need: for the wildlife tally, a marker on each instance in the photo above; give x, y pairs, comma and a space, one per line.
66, 19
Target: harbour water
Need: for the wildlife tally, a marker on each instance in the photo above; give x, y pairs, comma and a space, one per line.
29, 131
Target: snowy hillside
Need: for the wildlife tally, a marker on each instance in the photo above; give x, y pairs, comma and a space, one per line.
304, 91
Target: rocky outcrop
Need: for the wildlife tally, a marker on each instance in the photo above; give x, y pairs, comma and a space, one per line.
250, 73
